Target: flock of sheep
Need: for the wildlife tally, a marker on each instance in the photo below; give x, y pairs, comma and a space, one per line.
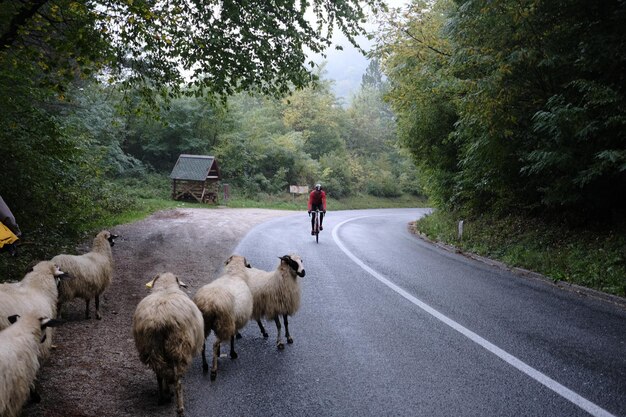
168, 327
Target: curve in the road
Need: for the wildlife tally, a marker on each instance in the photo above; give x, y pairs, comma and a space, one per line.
538, 376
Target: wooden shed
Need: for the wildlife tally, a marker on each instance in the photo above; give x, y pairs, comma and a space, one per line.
195, 177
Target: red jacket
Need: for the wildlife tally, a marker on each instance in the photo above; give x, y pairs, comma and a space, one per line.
317, 198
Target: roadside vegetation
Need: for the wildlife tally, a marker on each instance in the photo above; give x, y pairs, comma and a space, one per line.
590, 256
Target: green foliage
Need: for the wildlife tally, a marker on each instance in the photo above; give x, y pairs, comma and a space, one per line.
187, 125
513, 104
335, 175
371, 123
177, 46
416, 58
591, 257
315, 113
384, 186
50, 180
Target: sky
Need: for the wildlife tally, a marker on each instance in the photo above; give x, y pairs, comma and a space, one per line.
347, 66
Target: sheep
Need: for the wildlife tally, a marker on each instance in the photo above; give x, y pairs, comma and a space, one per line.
91, 273
276, 293
19, 362
226, 306
36, 292
168, 332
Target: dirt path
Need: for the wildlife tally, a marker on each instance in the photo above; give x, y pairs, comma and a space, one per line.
95, 370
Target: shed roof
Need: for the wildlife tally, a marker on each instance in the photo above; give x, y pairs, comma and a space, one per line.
195, 167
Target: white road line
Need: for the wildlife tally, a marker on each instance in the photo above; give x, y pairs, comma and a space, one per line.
543, 379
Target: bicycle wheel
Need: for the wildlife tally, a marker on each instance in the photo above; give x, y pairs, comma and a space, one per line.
317, 227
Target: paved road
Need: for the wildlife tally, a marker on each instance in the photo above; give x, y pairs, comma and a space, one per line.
392, 326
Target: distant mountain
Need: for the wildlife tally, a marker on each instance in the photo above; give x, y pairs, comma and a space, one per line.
346, 67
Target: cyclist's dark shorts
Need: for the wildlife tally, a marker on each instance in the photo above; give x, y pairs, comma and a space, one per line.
319, 207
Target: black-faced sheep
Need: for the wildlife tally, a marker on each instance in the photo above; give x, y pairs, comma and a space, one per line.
90, 273
276, 293
19, 362
168, 332
36, 292
226, 306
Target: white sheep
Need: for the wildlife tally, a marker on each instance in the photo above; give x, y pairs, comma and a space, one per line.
226, 306
168, 332
276, 293
90, 273
19, 362
36, 292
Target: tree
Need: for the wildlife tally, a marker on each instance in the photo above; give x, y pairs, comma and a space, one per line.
416, 58
189, 125
372, 124
543, 113
373, 77
315, 113
217, 46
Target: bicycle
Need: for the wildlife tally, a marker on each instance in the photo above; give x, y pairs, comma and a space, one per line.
316, 225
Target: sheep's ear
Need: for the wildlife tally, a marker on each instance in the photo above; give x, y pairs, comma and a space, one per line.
111, 239
230, 258
151, 283
46, 322
13, 318
246, 263
58, 273
180, 283
285, 258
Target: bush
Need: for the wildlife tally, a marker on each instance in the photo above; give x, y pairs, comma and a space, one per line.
384, 186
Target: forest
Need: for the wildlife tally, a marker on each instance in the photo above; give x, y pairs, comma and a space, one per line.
490, 109
515, 105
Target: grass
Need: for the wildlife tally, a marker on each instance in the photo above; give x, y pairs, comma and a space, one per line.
299, 202
593, 258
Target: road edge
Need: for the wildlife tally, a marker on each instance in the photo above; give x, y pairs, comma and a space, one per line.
525, 273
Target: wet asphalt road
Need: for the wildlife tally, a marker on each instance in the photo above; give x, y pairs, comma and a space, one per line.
392, 326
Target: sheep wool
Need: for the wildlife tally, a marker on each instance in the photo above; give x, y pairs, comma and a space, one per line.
276, 293
36, 292
90, 274
168, 332
19, 363
226, 306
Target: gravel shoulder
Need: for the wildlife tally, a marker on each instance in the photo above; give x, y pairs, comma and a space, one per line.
94, 370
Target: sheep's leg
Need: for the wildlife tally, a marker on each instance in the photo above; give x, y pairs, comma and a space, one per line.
180, 406
160, 389
98, 315
279, 340
59, 305
238, 335
233, 354
205, 365
287, 335
216, 353
263, 332
34, 395
164, 390
87, 315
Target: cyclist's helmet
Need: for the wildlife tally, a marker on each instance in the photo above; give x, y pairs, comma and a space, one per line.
318, 187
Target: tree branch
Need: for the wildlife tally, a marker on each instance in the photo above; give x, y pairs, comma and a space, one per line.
19, 20
410, 35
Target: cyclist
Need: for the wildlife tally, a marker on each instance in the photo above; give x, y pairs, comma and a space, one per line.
317, 201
